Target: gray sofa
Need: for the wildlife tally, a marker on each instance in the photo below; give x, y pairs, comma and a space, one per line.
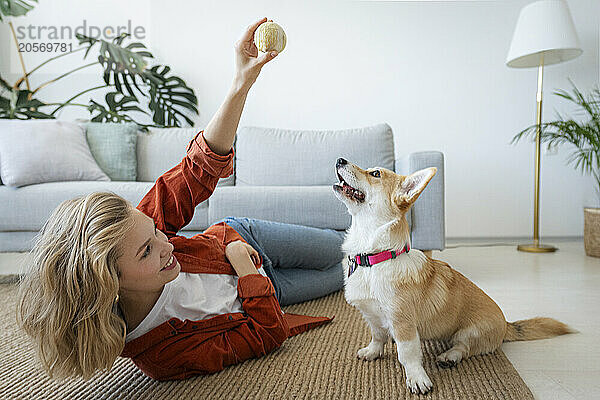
280, 175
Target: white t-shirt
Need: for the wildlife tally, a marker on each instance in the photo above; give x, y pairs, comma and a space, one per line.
194, 297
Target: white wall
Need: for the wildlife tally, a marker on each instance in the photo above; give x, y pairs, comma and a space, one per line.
435, 71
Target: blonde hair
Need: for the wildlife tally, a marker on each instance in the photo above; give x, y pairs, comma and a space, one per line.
67, 297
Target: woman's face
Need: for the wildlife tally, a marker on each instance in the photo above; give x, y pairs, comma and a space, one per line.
146, 251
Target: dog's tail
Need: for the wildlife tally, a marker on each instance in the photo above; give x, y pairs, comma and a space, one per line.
535, 328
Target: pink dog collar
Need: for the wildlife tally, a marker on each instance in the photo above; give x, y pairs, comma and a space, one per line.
368, 259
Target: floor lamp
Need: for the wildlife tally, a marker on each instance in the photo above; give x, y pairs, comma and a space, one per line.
544, 35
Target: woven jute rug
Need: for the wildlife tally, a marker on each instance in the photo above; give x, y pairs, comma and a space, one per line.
318, 364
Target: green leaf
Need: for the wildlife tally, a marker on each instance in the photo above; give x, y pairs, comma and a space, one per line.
14, 104
15, 8
122, 65
169, 97
116, 111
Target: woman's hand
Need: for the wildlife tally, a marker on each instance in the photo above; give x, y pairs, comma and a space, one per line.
248, 64
242, 257
238, 249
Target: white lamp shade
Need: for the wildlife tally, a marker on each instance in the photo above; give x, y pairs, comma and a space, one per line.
545, 30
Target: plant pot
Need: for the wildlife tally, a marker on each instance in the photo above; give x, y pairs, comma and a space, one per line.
591, 231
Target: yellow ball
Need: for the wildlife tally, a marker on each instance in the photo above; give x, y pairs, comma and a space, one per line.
269, 36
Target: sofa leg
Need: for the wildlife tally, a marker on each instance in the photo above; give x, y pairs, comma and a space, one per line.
427, 253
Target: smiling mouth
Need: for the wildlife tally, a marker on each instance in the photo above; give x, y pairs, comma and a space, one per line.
171, 264
348, 190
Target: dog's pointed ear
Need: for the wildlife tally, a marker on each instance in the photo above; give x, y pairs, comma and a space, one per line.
412, 186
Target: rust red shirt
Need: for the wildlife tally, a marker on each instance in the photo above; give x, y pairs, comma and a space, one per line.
180, 349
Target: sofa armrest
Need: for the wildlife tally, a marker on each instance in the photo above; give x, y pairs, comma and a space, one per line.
428, 230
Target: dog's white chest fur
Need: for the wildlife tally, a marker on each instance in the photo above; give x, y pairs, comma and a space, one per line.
372, 290
376, 283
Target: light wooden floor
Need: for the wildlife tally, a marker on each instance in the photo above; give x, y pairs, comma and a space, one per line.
564, 285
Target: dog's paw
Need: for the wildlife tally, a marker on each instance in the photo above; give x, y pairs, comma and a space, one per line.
371, 352
446, 364
418, 382
449, 359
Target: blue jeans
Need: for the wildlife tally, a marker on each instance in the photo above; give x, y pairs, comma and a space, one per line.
303, 263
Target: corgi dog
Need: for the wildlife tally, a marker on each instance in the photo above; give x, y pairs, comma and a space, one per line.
406, 295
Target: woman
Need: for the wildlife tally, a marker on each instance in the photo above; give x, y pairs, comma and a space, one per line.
107, 279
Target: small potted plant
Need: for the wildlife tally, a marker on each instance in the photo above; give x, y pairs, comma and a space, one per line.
585, 138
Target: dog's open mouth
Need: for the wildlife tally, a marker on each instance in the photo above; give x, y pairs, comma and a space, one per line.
348, 190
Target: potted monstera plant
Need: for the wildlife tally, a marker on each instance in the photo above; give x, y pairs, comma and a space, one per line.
133, 86
583, 137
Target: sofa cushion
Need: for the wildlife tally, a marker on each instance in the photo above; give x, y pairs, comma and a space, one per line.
113, 146
272, 157
21, 241
28, 207
38, 151
315, 206
161, 149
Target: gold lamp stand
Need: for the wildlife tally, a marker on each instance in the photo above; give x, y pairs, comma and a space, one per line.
535, 45
536, 247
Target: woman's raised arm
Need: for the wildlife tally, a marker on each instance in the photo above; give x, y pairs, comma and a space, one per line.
220, 131
172, 200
